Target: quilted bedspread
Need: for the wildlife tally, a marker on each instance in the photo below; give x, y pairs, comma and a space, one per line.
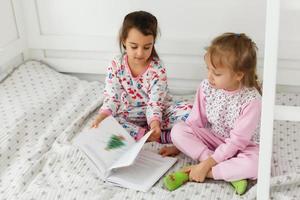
41, 111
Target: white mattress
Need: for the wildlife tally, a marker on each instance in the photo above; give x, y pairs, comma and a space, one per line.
42, 110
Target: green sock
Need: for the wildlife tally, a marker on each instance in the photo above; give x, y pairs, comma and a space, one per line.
175, 180
240, 186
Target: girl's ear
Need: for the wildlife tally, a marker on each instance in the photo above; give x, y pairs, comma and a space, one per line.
123, 44
239, 76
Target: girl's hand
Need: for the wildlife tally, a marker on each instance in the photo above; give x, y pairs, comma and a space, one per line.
98, 120
199, 172
155, 127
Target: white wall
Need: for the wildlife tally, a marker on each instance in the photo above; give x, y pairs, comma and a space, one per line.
186, 28
12, 38
9, 30
194, 19
289, 44
80, 35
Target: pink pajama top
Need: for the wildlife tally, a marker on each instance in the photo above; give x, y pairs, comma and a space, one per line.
232, 115
124, 92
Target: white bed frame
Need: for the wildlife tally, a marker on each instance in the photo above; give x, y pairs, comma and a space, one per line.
36, 44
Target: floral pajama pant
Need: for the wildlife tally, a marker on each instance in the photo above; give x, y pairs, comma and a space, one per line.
135, 122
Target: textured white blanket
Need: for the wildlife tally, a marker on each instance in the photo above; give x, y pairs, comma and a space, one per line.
42, 110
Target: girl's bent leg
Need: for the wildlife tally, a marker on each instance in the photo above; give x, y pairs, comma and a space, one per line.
176, 111
134, 130
243, 166
189, 143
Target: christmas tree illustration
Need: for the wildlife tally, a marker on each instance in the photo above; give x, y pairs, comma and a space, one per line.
115, 141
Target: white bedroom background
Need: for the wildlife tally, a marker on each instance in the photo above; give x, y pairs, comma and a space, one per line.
81, 35
66, 28
12, 34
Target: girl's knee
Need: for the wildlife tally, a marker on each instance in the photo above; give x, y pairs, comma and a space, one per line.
253, 167
251, 170
177, 131
250, 164
237, 169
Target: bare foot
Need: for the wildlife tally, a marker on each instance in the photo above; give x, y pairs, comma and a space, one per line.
169, 151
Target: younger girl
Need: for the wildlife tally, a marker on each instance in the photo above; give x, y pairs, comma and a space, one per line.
222, 131
136, 91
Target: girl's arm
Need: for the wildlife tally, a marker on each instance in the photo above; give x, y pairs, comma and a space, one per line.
112, 91
241, 134
157, 93
197, 117
100, 117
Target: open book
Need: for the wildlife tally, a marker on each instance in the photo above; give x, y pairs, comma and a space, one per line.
119, 158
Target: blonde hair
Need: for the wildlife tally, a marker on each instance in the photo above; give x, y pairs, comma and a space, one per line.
238, 52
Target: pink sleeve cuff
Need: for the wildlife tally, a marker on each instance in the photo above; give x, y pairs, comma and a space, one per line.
140, 134
217, 158
105, 111
155, 118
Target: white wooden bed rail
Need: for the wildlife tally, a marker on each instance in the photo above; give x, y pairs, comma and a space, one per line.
268, 100
270, 111
290, 113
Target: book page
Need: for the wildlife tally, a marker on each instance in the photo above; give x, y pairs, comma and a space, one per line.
143, 173
105, 144
130, 155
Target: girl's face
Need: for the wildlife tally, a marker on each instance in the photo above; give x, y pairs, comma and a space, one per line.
222, 77
138, 47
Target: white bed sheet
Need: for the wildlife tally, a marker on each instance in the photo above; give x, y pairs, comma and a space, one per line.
40, 113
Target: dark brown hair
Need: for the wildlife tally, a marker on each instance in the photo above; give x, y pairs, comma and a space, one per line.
143, 21
238, 52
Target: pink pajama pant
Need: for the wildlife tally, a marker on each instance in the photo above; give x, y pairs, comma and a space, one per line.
199, 144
